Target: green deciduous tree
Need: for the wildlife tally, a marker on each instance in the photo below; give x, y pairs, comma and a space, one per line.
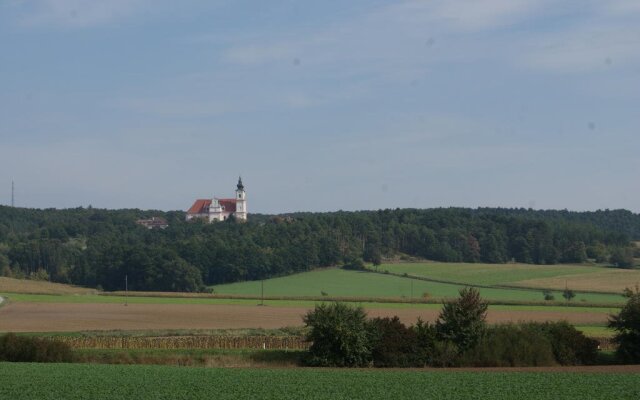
622, 257
627, 325
340, 334
568, 294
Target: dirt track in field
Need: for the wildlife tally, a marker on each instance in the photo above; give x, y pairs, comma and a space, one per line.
64, 317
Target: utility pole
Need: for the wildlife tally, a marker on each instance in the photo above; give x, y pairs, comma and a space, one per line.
126, 290
13, 194
262, 292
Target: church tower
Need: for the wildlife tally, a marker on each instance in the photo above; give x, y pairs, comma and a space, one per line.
241, 201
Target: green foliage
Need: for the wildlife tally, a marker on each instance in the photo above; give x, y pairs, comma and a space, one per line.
532, 344
40, 275
32, 349
510, 346
91, 247
462, 321
622, 257
598, 252
340, 336
355, 264
568, 294
627, 326
569, 345
548, 295
394, 344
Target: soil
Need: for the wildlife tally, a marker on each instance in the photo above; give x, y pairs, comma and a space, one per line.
64, 317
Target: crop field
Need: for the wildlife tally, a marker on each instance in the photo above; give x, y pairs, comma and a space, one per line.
486, 274
74, 317
576, 277
71, 309
76, 381
343, 283
603, 281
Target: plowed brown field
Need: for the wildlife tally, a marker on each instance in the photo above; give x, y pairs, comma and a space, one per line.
63, 317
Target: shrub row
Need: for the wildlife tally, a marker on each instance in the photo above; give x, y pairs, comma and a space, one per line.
343, 336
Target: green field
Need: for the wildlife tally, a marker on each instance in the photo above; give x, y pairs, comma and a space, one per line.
486, 274
596, 331
342, 283
115, 382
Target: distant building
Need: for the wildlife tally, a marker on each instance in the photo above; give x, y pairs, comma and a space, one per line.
221, 209
153, 223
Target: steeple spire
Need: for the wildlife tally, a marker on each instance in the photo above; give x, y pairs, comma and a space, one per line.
240, 185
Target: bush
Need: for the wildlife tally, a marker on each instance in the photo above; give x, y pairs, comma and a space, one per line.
445, 354
340, 335
40, 275
29, 349
355, 264
511, 346
532, 344
462, 321
393, 344
627, 325
548, 295
568, 294
569, 345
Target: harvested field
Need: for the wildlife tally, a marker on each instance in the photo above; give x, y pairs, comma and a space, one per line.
10, 285
66, 317
607, 281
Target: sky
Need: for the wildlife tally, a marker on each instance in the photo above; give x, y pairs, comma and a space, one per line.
321, 105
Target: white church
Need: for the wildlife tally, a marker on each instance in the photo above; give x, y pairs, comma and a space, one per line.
221, 209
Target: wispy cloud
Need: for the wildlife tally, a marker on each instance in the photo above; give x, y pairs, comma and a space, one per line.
468, 15
584, 49
389, 38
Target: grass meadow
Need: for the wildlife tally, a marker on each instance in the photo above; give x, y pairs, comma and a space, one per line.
576, 277
140, 382
486, 274
336, 282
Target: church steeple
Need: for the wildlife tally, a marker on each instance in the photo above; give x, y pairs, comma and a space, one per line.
241, 202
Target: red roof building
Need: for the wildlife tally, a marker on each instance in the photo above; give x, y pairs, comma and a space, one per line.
221, 209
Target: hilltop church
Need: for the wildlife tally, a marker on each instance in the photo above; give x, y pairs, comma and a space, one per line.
221, 209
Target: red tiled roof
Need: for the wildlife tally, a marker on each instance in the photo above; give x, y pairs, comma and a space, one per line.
228, 204
200, 206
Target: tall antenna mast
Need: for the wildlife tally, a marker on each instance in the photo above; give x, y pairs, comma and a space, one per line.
13, 196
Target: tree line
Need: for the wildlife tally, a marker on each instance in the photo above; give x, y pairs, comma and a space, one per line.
98, 248
343, 336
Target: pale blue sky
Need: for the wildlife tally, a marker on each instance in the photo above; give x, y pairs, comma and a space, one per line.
321, 105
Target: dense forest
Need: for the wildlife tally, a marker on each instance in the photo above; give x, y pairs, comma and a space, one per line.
97, 248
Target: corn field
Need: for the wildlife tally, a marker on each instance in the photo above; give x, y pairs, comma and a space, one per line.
210, 342
187, 342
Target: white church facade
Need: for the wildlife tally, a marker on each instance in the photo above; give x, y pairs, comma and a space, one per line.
216, 209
